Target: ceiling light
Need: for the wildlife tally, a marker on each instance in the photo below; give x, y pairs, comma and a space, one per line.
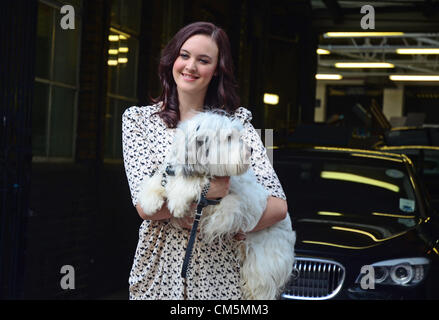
270, 98
418, 51
364, 65
122, 60
323, 51
361, 34
396, 77
322, 76
112, 62
113, 37
123, 49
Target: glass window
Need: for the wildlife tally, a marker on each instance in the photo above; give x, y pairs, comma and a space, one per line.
362, 190
126, 13
56, 83
122, 71
39, 118
61, 116
65, 53
44, 41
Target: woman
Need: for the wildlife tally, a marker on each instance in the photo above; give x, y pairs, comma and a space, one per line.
195, 72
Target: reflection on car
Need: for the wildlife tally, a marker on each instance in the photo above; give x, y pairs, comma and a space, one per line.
364, 228
426, 162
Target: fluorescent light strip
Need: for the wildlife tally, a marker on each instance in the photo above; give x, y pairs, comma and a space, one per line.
323, 51
361, 34
321, 76
113, 37
364, 65
396, 77
344, 176
270, 98
418, 51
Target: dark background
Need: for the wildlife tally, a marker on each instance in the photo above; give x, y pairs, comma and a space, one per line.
64, 194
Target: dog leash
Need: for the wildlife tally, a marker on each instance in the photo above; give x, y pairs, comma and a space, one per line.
204, 202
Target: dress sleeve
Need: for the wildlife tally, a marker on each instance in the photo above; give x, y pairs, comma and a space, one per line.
261, 165
136, 148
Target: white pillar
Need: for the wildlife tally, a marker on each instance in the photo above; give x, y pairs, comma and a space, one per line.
393, 101
320, 112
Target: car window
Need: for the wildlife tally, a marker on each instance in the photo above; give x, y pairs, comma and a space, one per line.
361, 189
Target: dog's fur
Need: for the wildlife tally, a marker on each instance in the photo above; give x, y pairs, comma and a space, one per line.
268, 255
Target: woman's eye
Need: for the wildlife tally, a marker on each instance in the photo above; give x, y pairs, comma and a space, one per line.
204, 61
184, 55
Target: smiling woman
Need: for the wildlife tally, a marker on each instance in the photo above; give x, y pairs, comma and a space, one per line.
202, 51
196, 73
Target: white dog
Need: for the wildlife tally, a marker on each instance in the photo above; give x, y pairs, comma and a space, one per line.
208, 145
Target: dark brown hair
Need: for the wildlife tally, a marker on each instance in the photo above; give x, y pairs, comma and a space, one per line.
222, 90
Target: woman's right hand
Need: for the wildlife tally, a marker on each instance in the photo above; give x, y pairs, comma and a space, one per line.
219, 187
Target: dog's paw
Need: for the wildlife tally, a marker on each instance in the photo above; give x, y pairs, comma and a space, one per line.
151, 196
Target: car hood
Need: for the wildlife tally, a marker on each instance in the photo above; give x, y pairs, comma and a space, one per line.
351, 235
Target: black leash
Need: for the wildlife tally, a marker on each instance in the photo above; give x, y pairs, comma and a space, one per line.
201, 205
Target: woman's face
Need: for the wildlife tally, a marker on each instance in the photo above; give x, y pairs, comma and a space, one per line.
196, 64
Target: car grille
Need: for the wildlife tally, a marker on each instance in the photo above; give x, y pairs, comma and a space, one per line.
314, 279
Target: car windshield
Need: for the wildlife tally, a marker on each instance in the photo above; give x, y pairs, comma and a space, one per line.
354, 187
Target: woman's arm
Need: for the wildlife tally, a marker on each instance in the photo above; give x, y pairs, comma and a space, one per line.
275, 211
161, 214
219, 188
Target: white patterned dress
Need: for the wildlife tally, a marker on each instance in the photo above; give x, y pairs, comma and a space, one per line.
214, 271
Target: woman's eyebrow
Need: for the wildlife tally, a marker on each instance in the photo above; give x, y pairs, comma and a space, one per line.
201, 55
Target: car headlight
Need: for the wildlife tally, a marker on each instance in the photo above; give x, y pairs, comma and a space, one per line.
398, 272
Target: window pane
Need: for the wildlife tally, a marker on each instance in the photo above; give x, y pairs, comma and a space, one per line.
130, 14
66, 52
122, 78
61, 129
39, 119
118, 129
127, 71
109, 128
44, 41
126, 13
113, 128
115, 8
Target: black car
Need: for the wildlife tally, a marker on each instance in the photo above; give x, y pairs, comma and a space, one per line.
364, 228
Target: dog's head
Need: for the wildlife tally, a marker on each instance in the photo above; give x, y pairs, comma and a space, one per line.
210, 143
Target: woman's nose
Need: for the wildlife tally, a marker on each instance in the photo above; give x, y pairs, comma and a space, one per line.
190, 65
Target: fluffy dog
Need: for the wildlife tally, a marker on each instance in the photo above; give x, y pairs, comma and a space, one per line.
208, 145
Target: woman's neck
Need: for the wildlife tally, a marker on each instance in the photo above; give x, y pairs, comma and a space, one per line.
189, 104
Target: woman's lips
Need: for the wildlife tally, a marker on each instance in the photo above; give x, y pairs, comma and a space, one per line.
189, 77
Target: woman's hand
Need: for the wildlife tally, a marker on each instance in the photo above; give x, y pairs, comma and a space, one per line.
219, 187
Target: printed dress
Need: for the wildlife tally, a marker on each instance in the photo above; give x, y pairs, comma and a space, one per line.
214, 270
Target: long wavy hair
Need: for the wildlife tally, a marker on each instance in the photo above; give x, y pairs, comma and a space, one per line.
222, 90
